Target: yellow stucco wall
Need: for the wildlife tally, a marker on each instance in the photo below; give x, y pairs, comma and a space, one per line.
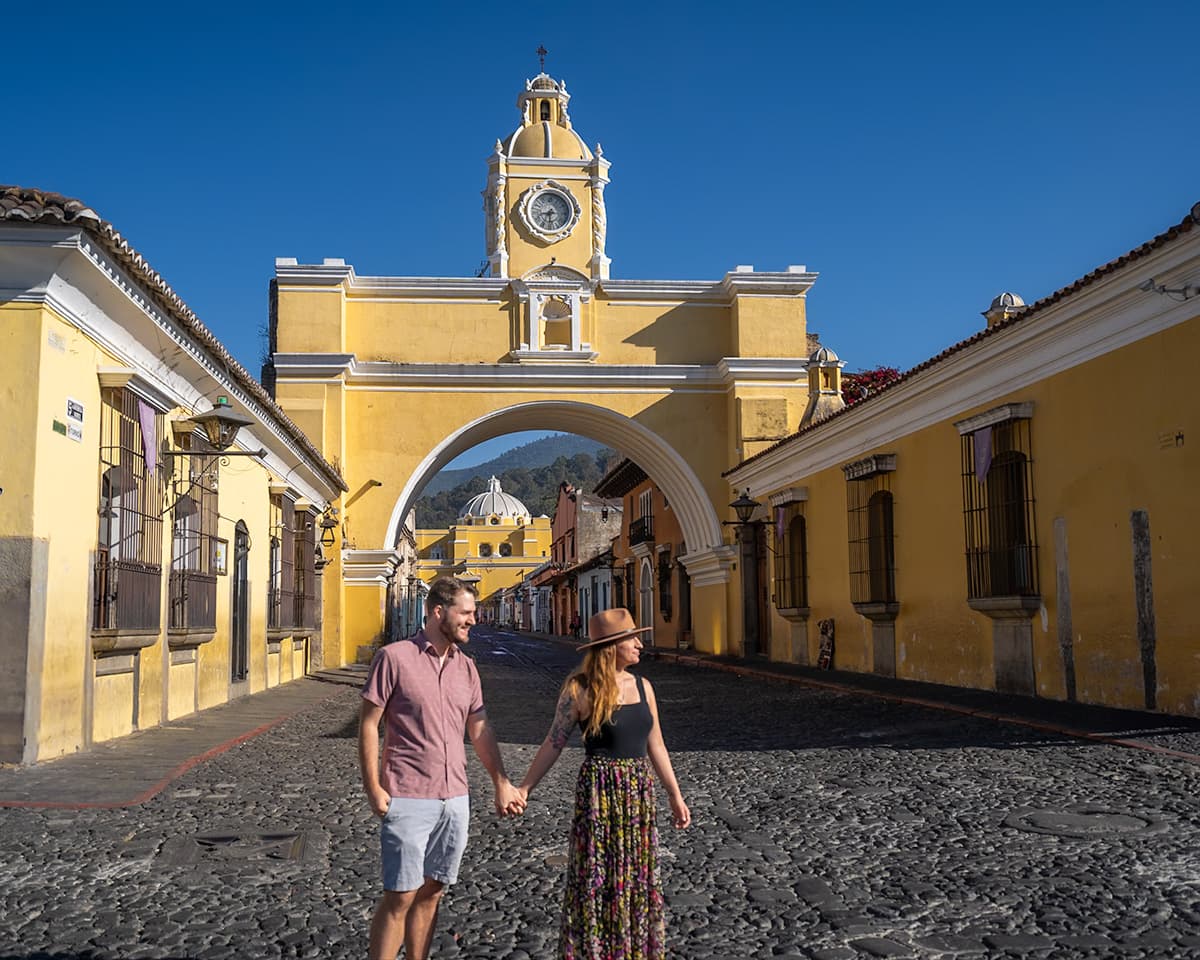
24, 557
22, 334
765, 326
72, 706
377, 449
64, 513
527, 251
314, 321
1092, 479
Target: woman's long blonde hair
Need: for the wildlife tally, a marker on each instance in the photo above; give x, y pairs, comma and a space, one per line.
598, 676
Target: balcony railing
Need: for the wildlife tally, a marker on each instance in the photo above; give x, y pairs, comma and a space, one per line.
127, 595
281, 609
1002, 572
305, 606
641, 530
193, 598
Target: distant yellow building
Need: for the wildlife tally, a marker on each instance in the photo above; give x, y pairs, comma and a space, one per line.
1017, 513
393, 377
160, 517
494, 544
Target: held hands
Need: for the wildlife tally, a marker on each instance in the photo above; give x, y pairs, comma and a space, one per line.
509, 800
518, 805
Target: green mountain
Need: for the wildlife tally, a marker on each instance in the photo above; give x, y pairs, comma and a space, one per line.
536, 487
538, 453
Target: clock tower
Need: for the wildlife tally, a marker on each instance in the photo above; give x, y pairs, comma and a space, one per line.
544, 200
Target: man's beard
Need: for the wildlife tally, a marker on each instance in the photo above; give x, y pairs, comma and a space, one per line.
448, 633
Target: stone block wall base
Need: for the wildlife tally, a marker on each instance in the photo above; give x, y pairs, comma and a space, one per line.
883, 635
1012, 641
1012, 646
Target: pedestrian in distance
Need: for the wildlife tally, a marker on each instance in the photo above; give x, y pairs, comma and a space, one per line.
613, 905
427, 692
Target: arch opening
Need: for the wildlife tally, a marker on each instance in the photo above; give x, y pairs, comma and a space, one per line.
697, 519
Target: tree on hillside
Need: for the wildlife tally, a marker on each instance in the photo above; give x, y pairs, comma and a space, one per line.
862, 383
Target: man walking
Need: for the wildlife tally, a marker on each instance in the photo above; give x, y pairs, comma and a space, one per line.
427, 691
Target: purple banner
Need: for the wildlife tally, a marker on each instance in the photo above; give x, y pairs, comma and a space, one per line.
983, 453
146, 417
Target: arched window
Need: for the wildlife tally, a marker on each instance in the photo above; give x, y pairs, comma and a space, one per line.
545, 109
556, 324
998, 505
872, 530
646, 596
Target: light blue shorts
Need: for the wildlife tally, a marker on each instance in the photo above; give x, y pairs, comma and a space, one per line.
423, 838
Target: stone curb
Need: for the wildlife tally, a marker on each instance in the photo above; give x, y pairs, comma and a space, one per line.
54, 769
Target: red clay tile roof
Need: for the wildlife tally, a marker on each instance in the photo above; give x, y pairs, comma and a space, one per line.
1188, 223
24, 204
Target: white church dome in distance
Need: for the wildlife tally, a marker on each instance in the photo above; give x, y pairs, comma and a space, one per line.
494, 502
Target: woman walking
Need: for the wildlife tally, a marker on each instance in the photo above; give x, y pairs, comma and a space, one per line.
613, 907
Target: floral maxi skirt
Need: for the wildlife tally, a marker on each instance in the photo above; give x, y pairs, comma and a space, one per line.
613, 908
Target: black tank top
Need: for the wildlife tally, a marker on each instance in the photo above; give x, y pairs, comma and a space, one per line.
624, 736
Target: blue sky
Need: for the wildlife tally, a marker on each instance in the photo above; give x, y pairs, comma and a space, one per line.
922, 157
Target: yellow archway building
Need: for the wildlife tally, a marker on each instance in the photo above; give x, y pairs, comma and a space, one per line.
392, 377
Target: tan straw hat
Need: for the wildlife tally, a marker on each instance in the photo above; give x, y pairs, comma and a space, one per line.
609, 626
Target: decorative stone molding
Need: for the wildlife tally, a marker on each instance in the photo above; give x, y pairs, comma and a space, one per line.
790, 495
1007, 608
129, 379
989, 418
369, 567
869, 466
552, 294
711, 567
189, 639
794, 614
878, 612
112, 665
106, 642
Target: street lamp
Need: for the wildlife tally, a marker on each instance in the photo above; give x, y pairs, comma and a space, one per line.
328, 525
743, 508
221, 424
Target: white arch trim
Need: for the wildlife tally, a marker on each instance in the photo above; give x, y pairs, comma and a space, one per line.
697, 518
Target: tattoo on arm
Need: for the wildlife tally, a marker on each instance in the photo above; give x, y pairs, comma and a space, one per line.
560, 730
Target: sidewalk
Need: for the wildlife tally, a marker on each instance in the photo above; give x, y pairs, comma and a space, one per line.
1127, 728
131, 770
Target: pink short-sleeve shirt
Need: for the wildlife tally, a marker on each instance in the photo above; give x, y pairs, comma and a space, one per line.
426, 704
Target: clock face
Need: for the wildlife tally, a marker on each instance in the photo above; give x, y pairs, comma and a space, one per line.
550, 210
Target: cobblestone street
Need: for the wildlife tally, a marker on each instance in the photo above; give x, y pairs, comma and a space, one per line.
827, 825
